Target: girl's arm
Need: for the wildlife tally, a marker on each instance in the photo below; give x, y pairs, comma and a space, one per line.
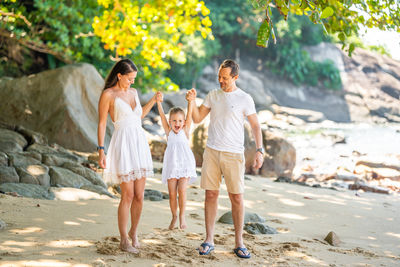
188, 121
164, 121
146, 108
104, 104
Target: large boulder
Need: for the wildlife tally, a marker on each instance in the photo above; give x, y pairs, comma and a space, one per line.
28, 190
280, 156
34, 174
199, 141
61, 177
24, 158
3, 159
8, 175
89, 174
61, 104
11, 141
372, 86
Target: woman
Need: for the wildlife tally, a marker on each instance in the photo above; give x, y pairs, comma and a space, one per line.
128, 161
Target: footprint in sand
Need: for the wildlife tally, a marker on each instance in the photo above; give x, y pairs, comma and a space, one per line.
276, 221
194, 216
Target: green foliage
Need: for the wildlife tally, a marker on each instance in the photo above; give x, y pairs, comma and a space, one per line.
340, 17
61, 29
290, 60
59, 32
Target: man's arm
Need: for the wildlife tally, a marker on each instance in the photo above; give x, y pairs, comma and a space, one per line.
256, 130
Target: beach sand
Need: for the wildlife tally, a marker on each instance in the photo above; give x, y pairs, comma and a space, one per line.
84, 232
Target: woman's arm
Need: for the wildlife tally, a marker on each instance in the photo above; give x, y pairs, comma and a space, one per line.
188, 121
146, 108
104, 104
164, 121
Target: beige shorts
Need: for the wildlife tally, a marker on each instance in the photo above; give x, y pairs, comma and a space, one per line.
230, 165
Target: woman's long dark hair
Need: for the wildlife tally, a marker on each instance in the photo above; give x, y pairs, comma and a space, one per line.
124, 66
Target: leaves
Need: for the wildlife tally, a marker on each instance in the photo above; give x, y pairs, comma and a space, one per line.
343, 17
263, 34
328, 11
152, 31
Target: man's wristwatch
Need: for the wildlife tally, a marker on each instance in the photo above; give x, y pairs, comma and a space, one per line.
261, 150
100, 147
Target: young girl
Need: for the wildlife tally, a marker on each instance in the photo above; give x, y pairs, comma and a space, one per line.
179, 166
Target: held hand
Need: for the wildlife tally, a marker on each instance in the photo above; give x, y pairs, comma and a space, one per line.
258, 160
159, 97
191, 95
102, 159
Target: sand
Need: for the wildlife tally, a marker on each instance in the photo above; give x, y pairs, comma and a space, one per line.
83, 231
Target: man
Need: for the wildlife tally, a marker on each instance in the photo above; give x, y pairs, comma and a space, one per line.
224, 153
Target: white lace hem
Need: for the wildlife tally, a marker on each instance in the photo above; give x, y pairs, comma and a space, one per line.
179, 173
131, 176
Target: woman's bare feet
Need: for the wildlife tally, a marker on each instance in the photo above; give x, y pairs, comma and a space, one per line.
182, 222
135, 240
126, 246
173, 222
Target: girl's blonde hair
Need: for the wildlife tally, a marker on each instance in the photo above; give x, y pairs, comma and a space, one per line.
176, 110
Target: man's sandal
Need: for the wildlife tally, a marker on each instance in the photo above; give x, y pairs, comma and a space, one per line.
206, 252
245, 253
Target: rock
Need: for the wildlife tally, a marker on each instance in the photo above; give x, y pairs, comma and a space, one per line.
8, 175
42, 149
28, 190
97, 189
3, 225
165, 195
303, 114
24, 158
280, 156
87, 173
3, 159
157, 148
332, 239
378, 170
199, 141
31, 136
153, 195
60, 104
11, 141
250, 83
248, 217
34, 174
367, 188
259, 228
207, 81
375, 79
265, 116
61, 177
58, 159
326, 51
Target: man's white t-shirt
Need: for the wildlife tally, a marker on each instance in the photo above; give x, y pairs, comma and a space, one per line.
227, 115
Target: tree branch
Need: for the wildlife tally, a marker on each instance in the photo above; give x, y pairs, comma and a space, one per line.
42, 48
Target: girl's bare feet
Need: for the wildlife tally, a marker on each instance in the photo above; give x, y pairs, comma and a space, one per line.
135, 240
173, 222
182, 223
126, 246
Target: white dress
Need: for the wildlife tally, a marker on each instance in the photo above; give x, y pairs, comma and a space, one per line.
128, 156
178, 158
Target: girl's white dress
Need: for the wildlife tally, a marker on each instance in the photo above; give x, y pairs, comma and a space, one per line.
128, 156
178, 158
